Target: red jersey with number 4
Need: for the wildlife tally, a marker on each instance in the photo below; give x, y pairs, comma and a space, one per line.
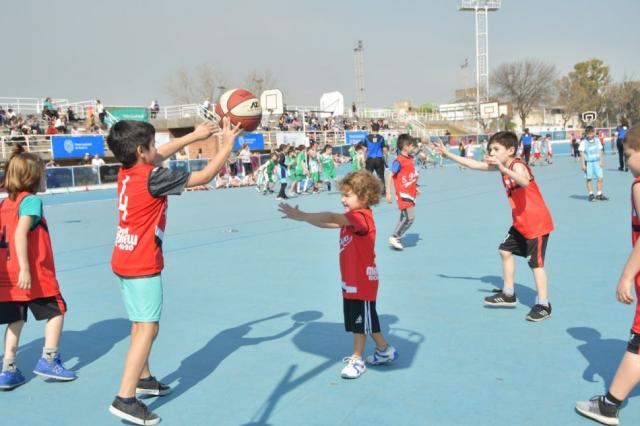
39, 253
358, 257
141, 224
530, 214
406, 182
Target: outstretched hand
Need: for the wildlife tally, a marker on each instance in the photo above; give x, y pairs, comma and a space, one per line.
290, 212
440, 148
229, 131
206, 129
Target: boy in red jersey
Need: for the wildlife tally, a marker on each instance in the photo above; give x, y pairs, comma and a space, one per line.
137, 258
605, 408
360, 190
405, 181
532, 222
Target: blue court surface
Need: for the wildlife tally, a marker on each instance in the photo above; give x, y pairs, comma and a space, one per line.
252, 327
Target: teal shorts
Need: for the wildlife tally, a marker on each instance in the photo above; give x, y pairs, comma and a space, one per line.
142, 298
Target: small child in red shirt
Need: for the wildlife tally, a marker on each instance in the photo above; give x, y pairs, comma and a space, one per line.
532, 222
405, 181
360, 190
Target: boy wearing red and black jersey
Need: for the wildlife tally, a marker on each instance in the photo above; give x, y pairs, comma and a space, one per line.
532, 221
137, 257
405, 181
605, 408
358, 269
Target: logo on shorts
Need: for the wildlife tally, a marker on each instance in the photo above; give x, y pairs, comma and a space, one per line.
359, 319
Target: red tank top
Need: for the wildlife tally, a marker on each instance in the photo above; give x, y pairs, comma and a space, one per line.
530, 214
635, 220
357, 256
39, 252
142, 218
406, 182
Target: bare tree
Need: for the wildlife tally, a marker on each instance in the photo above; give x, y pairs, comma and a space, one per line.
624, 99
527, 84
565, 100
186, 87
258, 81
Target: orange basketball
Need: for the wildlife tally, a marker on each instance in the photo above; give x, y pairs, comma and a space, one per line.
242, 107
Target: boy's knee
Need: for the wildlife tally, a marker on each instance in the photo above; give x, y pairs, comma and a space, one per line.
505, 254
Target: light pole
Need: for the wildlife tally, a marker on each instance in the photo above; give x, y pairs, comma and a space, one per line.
359, 71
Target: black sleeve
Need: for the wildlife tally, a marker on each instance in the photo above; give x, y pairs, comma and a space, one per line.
163, 181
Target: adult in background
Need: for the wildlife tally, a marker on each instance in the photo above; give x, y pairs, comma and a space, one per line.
100, 111
621, 132
525, 141
245, 157
376, 153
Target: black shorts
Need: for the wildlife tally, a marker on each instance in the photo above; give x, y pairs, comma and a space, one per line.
634, 343
42, 309
248, 168
360, 316
533, 250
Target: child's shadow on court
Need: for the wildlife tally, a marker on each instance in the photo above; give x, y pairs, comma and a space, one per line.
525, 295
579, 197
200, 364
603, 356
328, 341
86, 346
410, 240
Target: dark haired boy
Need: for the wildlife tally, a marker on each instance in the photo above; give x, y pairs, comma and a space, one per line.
532, 221
592, 161
137, 257
405, 181
377, 152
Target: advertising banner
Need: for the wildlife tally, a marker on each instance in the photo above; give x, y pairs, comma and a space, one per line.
76, 146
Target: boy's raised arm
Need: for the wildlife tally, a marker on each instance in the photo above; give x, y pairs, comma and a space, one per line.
321, 220
203, 131
467, 162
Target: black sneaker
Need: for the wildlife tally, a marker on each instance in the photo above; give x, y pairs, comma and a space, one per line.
136, 412
539, 313
501, 299
599, 410
151, 386
602, 197
592, 197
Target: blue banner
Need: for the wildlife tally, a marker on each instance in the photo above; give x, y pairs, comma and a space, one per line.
254, 140
76, 146
355, 136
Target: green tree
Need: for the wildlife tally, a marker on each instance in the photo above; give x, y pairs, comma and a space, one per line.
586, 88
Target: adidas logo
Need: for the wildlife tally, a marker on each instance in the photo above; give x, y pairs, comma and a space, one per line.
359, 319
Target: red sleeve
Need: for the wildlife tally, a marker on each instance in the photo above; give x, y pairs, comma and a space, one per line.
359, 221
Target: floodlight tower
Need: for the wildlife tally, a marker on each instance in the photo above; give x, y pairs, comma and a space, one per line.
359, 68
481, 8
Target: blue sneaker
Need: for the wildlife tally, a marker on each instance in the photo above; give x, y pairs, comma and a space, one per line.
383, 357
11, 379
54, 369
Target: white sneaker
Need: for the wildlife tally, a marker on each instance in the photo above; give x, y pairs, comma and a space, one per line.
355, 368
395, 243
383, 357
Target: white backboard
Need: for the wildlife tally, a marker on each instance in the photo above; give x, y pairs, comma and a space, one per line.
332, 102
490, 110
272, 102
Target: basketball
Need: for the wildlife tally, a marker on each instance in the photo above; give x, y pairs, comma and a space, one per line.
242, 107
